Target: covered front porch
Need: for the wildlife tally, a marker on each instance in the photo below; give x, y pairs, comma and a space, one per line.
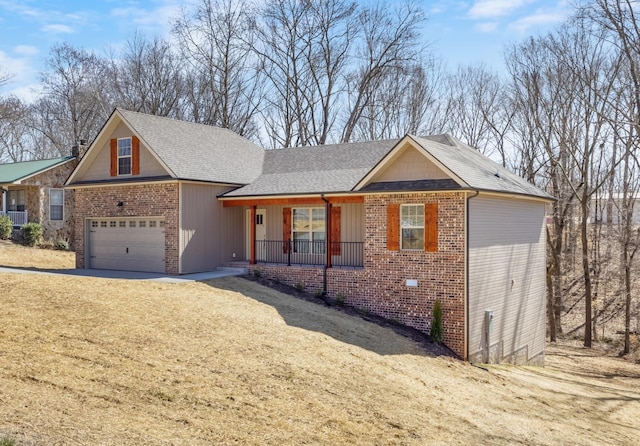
18, 218
14, 203
304, 231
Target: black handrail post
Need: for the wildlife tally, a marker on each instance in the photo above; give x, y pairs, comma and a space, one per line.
289, 252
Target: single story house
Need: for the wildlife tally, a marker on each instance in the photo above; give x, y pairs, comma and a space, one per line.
387, 226
33, 191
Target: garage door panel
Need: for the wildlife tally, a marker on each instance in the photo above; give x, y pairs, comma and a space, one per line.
126, 244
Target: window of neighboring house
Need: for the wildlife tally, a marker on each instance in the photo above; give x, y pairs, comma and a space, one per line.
412, 226
56, 204
309, 229
16, 200
124, 156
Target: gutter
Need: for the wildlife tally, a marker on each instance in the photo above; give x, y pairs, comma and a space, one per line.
466, 279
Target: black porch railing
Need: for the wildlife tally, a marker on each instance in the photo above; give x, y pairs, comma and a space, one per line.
306, 252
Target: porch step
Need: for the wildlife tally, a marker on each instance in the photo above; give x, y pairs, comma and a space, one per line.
232, 269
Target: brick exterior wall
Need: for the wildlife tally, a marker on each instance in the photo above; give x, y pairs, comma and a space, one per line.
157, 200
380, 287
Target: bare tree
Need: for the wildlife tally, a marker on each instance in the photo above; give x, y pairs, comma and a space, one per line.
73, 106
390, 42
618, 19
147, 77
477, 110
562, 81
224, 80
4, 77
14, 141
306, 48
407, 101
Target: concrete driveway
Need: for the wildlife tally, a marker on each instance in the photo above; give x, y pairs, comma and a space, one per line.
132, 275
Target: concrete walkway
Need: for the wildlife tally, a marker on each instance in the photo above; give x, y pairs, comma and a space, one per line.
132, 275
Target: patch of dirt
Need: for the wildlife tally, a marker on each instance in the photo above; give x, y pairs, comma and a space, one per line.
229, 361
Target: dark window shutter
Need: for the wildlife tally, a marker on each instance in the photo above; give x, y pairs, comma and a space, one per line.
135, 155
114, 157
431, 227
393, 227
286, 229
335, 231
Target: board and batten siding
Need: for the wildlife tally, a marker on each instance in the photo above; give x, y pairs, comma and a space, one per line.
209, 233
507, 270
100, 167
351, 221
408, 165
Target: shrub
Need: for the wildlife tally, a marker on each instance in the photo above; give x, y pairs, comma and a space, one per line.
437, 329
6, 441
6, 227
61, 245
299, 286
340, 299
31, 233
319, 294
257, 273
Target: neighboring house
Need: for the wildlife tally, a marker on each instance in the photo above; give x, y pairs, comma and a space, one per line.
388, 226
32, 191
610, 209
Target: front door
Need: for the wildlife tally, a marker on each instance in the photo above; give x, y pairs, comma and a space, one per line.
261, 234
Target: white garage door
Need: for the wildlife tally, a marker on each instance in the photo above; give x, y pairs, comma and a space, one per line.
135, 244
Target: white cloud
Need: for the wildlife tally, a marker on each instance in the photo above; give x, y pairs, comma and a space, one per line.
26, 50
58, 28
486, 27
539, 19
154, 20
24, 76
28, 93
483, 9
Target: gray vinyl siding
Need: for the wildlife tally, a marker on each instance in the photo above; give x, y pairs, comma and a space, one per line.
100, 168
209, 233
507, 275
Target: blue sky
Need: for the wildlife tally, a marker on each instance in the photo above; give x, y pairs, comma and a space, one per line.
470, 31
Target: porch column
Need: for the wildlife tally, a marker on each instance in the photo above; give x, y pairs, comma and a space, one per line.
4, 201
252, 236
327, 235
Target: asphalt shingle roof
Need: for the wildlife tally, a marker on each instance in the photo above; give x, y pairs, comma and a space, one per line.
475, 169
321, 169
197, 151
340, 167
12, 172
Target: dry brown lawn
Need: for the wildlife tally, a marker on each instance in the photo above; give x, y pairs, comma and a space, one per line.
86, 361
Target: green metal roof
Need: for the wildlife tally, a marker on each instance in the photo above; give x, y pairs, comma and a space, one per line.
12, 172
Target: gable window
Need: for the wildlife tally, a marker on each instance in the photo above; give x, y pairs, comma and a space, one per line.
412, 226
124, 156
308, 230
15, 200
56, 204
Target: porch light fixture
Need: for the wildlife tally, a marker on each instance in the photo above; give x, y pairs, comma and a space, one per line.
120, 204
